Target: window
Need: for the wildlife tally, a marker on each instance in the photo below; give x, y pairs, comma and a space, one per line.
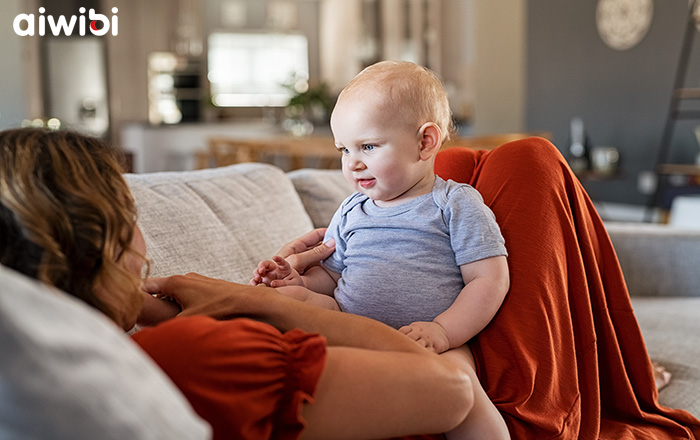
251, 70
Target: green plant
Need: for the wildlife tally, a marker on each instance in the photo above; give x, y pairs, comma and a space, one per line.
312, 102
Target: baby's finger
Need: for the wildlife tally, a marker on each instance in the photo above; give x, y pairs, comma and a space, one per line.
416, 337
265, 266
279, 283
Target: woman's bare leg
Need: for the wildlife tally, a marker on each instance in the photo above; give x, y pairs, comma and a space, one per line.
379, 394
661, 375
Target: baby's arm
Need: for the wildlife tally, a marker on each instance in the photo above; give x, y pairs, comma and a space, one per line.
316, 286
486, 283
320, 280
278, 273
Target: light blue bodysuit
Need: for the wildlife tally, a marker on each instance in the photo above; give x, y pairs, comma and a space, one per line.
401, 264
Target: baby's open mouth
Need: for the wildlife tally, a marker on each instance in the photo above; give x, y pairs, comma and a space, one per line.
366, 183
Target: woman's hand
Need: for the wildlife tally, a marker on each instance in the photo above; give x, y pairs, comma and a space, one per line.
156, 310
307, 250
199, 295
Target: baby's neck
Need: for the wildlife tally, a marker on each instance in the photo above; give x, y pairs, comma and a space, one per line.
420, 188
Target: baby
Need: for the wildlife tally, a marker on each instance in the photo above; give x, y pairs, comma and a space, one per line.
421, 254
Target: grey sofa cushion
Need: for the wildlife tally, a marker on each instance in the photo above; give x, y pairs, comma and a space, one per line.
66, 372
670, 329
218, 222
321, 192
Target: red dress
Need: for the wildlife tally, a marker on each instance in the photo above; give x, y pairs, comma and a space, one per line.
564, 356
244, 377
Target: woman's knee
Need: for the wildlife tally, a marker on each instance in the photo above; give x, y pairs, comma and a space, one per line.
527, 153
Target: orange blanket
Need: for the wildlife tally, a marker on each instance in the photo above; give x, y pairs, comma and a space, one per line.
564, 357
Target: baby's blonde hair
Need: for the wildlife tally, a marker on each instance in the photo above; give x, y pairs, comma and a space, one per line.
412, 91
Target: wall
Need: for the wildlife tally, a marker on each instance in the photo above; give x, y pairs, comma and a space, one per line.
510, 64
622, 96
481, 56
144, 27
500, 64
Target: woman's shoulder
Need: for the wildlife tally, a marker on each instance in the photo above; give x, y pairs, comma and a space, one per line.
241, 375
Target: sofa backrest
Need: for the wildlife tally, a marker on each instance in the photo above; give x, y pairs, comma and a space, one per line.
218, 222
657, 260
321, 192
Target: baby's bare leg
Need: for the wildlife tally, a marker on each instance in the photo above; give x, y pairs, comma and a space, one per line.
484, 421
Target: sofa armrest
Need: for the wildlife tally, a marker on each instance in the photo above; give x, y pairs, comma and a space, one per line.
657, 260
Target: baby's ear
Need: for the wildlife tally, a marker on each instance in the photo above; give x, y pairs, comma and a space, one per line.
431, 140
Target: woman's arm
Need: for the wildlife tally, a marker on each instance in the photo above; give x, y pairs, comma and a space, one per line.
200, 295
385, 394
377, 383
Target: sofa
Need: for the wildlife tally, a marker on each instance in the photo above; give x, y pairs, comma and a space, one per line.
661, 265
221, 222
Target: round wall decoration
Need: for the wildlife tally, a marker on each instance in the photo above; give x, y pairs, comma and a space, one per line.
622, 24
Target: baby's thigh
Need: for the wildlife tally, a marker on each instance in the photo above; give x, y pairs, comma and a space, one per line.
462, 356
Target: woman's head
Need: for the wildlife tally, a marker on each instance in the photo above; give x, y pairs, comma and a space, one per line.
67, 218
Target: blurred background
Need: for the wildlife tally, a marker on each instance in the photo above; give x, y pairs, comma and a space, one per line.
598, 77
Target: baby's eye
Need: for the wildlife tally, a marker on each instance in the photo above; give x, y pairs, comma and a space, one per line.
368, 147
345, 151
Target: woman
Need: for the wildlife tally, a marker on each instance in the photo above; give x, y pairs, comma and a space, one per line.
562, 359
68, 219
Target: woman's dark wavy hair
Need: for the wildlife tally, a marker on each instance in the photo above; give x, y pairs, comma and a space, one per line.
66, 213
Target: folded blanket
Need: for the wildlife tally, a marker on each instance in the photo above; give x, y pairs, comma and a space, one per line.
564, 357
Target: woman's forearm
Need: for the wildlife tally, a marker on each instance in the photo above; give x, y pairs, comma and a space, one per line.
199, 295
339, 329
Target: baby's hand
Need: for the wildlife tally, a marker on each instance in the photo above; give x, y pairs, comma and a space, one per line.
430, 335
276, 273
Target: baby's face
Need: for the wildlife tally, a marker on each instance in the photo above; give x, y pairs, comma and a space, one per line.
381, 151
